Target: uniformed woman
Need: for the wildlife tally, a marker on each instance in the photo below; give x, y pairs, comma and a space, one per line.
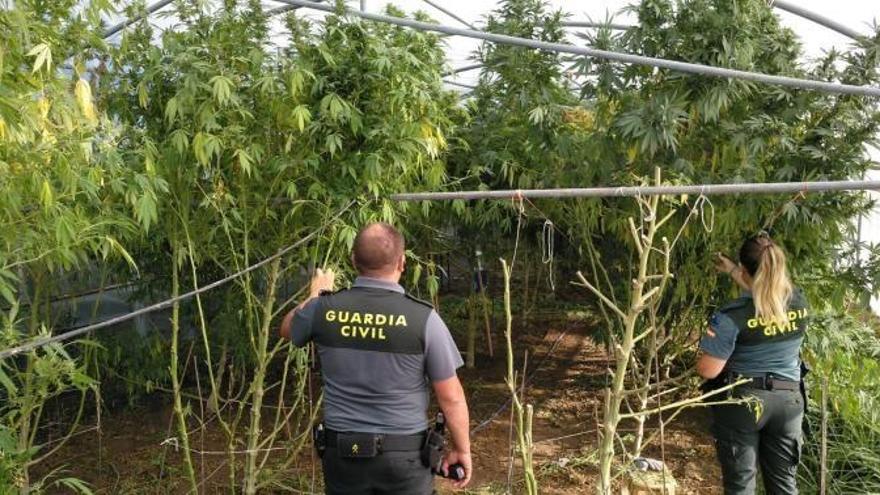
758, 337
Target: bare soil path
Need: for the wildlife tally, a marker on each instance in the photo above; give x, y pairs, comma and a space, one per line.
567, 373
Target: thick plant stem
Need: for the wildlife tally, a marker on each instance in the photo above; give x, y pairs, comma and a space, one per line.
623, 351
182, 431
257, 386
24, 428
523, 416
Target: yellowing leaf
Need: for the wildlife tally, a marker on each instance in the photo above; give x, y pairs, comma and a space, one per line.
427, 130
143, 96
46, 195
245, 160
43, 106
303, 116
171, 109
83, 94
222, 89
43, 57
631, 153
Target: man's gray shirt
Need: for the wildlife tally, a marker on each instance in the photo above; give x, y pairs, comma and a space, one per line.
367, 387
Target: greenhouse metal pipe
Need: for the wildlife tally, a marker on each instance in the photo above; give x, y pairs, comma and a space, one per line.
462, 69
597, 25
44, 341
817, 18
284, 8
131, 20
637, 191
460, 85
449, 13
609, 55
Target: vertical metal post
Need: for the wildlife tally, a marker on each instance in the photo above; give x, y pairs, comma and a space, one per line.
823, 454
363, 5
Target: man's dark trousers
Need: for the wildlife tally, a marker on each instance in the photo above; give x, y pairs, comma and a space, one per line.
389, 473
774, 441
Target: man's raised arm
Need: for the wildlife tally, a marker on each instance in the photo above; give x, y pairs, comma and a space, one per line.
323, 280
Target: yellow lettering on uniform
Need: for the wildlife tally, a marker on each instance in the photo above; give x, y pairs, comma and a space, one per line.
368, 319
364, 331
381, 319
345, 331
401, 321
330, 315
341, 319
381, 334
355, 318
792, 315
770, 330
753, 323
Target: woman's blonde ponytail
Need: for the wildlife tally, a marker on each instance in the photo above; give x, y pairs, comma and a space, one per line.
771, 286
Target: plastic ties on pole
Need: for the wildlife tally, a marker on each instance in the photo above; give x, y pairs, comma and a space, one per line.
172, 441
700, 205
548, 240
521, 211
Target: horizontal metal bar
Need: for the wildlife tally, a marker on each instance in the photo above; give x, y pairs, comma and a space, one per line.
633, 191
465, 68
128, 22
460, 85
605, 54
449, 13
817, 18
595, 25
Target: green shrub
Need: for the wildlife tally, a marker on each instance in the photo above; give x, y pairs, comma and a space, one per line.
845, 356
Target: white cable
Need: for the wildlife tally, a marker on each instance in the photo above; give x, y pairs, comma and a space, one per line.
548, 241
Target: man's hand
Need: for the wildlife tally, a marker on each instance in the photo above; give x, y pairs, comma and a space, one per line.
463, 458
321, 281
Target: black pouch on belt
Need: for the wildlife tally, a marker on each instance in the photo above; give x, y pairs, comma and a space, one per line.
432, 451
319, 437
361, 445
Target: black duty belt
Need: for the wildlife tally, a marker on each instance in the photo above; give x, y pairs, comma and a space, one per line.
772, 383
384, 442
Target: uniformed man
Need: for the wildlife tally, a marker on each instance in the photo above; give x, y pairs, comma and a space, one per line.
758, 336
379, 348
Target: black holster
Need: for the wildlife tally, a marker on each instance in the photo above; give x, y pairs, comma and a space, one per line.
722, 380
319, 438
432, 451
805, 394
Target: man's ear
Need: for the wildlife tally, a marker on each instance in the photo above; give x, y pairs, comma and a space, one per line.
401, 265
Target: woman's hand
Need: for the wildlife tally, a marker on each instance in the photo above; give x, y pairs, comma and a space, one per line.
724, 264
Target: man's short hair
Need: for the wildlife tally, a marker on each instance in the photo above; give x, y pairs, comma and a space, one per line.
377, 248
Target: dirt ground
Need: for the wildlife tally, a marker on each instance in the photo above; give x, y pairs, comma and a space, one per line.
567, 372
